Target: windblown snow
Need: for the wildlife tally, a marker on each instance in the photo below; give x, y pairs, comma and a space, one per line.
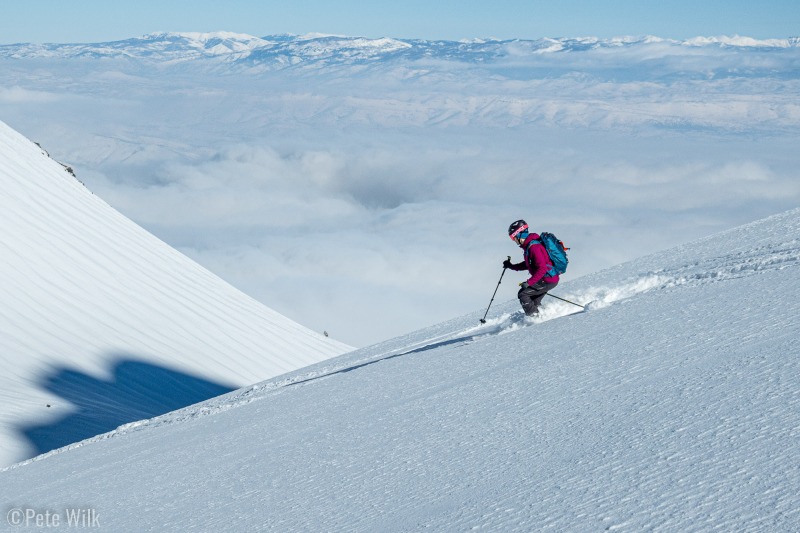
103, 324
671, 404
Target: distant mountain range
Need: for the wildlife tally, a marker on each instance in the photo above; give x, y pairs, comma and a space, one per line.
282, 51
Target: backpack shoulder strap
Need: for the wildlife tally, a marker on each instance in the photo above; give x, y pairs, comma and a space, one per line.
550, 271
530, 245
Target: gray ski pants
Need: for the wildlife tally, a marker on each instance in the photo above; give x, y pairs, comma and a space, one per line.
531, 297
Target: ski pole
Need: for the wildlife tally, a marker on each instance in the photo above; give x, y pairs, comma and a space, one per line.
483, 320
563, 300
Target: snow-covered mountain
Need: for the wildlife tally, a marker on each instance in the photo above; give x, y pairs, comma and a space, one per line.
672, 404
102, 323
281, 51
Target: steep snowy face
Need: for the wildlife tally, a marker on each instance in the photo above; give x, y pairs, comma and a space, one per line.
102, 323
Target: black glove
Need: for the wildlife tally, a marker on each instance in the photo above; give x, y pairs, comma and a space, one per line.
524, 285
507, 263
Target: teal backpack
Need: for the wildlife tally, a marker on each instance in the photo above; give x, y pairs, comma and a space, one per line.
557, 252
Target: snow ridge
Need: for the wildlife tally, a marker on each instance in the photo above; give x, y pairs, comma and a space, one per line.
99, 311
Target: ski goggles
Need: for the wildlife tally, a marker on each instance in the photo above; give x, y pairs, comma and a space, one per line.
518, 232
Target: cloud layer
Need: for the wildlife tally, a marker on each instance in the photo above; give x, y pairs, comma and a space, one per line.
370, 202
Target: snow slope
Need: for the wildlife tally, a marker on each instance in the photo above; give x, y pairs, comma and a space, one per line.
673, 404
102, 323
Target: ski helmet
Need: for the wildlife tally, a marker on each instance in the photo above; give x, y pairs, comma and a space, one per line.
517, 228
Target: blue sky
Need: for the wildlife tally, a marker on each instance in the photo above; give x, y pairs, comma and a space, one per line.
41, 21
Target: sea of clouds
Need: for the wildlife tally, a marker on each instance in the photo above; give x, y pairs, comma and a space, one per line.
372, 200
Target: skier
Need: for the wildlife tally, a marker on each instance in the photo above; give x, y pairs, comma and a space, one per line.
538, 264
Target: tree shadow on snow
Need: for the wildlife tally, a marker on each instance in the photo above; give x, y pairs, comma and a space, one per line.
137, 390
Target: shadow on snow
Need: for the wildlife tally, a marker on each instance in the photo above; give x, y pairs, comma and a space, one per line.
137, 390
425, 348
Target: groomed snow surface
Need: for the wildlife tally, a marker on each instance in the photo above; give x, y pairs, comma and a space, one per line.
102, 323
672, 404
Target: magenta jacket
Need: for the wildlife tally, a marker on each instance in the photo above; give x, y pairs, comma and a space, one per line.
536, 261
